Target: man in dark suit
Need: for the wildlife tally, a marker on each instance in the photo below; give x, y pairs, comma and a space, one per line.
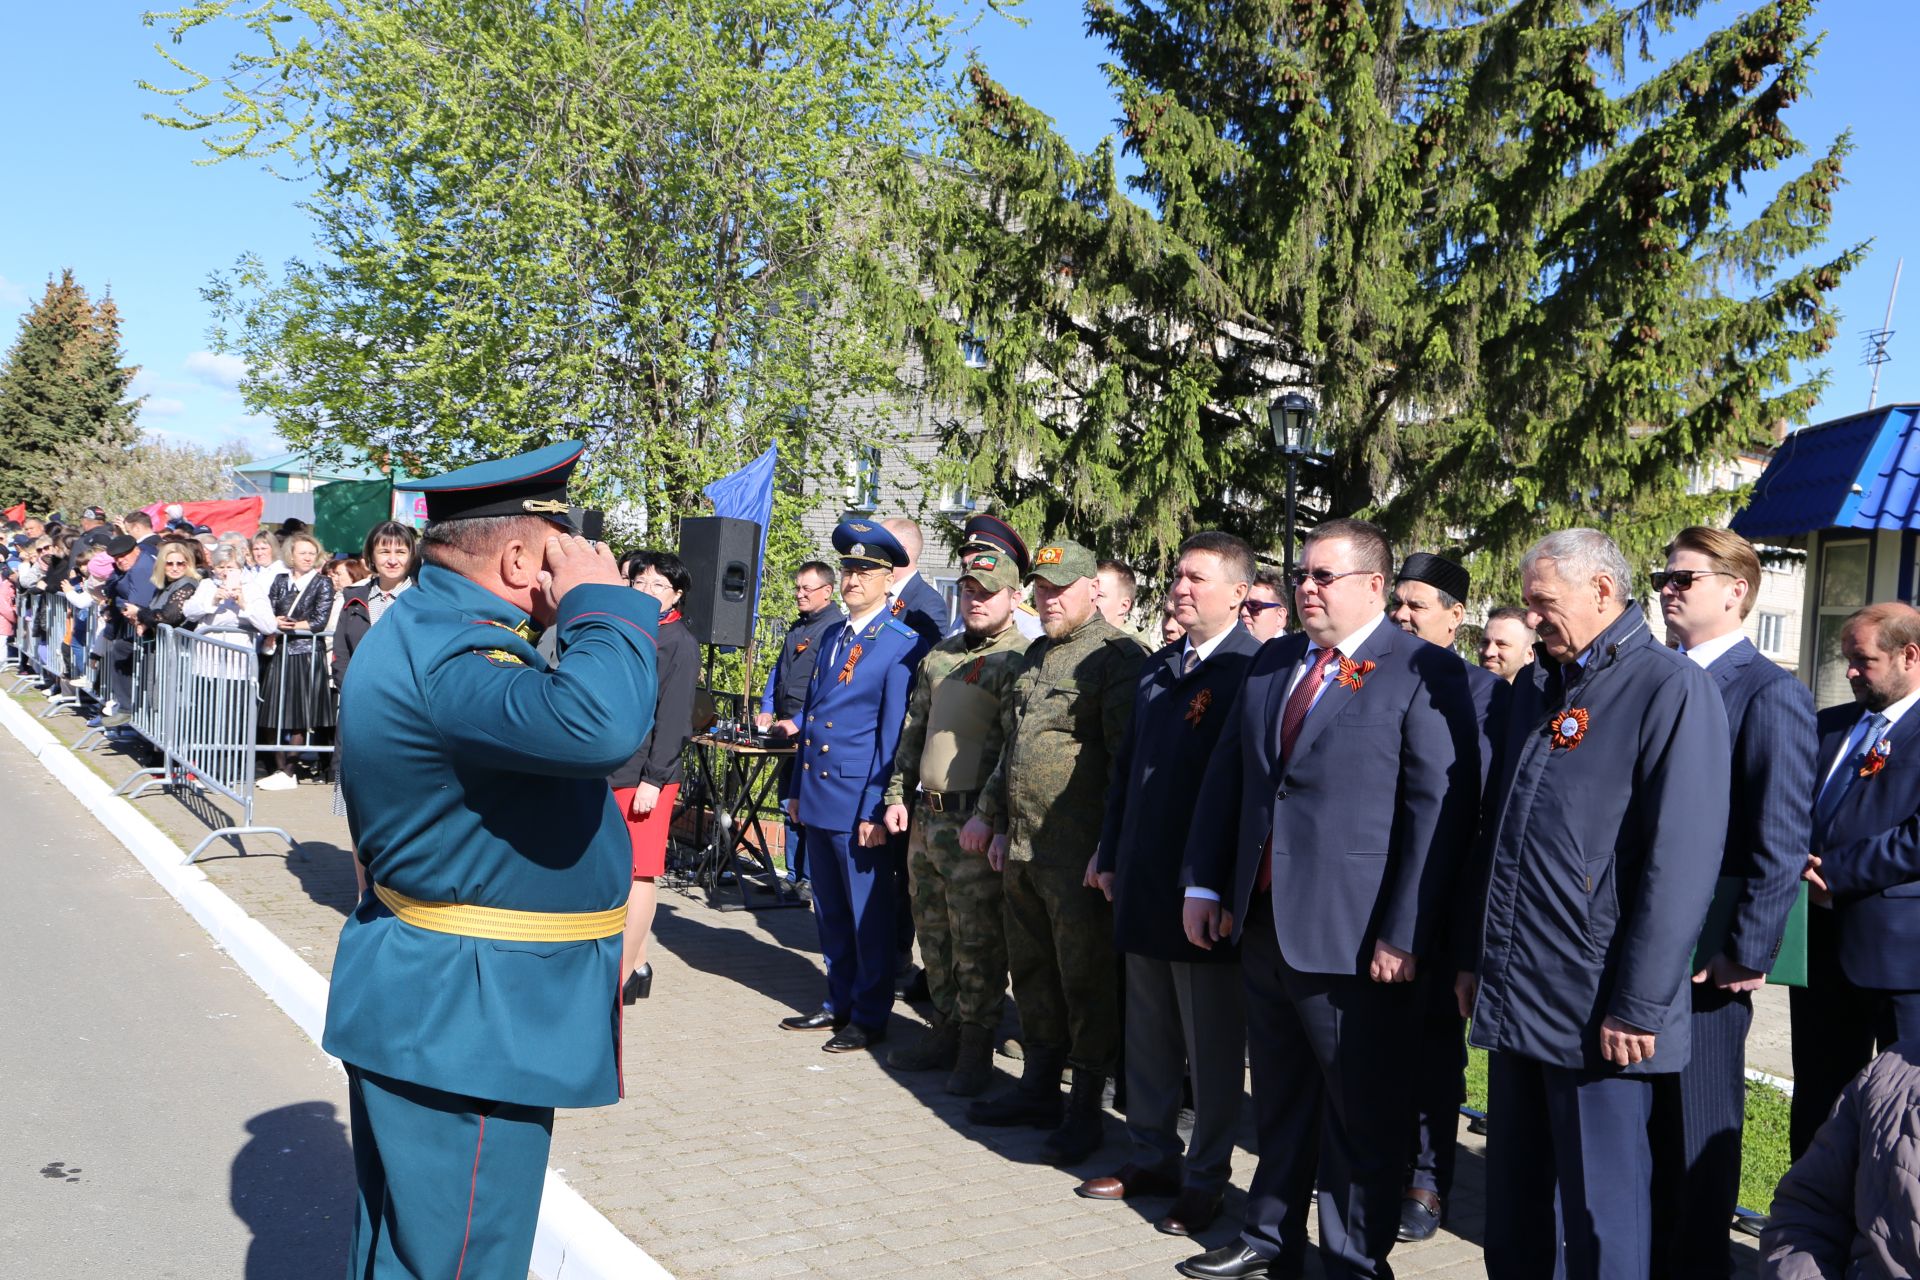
786, 691
1863, 936
1324, 841
1184, 1008
855, 707
1706, 591
913, 599
1429, 601
1602, 842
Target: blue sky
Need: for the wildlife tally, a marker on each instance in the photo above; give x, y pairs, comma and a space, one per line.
91, 185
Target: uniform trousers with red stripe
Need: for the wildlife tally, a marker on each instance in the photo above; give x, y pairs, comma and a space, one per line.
449, 1187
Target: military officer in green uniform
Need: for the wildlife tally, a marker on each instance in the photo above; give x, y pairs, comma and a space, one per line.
1039, 817
476, 985
950, 743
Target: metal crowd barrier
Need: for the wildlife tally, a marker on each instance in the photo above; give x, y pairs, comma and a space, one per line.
315, 672
196, 699
27, 631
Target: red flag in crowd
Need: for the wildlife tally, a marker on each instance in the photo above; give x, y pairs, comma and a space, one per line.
228, 515
17, 512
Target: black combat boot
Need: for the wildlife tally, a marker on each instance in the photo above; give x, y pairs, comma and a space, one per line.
1080, 1134
935, 1050
973, 1065
1035, 1101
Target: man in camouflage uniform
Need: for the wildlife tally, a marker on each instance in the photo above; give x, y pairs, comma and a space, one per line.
1039, 818
951, 742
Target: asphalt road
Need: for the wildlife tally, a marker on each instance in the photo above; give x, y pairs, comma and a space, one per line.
159, 1117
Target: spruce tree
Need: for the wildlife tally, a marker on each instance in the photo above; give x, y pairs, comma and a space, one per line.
1494, 240
63, 387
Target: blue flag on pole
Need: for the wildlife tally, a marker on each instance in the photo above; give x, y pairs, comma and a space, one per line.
747, 494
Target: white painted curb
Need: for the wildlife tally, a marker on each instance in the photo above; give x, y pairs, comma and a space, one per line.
573, 1240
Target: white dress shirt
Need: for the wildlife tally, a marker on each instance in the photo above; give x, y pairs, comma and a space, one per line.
1708, 652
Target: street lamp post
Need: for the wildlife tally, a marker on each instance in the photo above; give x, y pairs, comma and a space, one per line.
1290, 416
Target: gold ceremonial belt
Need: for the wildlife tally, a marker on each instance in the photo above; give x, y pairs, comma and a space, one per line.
502, 924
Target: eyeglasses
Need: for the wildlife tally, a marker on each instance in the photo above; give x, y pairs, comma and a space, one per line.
1682, 579
176, 564
1321, 577
1258, 607
807, 591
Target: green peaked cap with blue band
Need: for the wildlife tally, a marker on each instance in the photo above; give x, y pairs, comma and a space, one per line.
532, 484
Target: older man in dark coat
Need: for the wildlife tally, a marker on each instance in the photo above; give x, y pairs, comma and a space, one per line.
1184, 1009
1602, 844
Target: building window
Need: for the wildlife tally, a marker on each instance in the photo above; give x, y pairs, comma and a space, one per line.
1843, 587
863, 479
973, 350
956, 497
1773, 632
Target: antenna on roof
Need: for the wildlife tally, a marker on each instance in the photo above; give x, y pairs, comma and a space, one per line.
1877, 354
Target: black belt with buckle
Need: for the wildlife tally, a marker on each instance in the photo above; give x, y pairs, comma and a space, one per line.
950, 801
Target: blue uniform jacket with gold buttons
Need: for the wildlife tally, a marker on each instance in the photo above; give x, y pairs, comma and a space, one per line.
475, 773
850, 725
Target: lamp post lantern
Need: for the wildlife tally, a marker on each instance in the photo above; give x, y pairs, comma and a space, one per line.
1291, 417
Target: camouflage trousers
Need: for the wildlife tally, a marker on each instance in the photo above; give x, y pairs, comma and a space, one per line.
1060, 953
957, 916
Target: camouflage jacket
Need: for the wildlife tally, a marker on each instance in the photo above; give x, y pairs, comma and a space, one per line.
953, 733
1063, 724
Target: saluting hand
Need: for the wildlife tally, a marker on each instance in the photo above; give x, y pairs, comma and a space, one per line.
573, 561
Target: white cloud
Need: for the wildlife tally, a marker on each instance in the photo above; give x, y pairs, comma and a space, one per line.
216, 370
162, 407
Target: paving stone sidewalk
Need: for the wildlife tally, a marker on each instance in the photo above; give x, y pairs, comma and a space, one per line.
741, 1151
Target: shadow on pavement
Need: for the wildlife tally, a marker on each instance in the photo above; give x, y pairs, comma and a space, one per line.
292, 1184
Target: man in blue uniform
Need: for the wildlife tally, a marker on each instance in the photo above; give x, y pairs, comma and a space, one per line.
476, 986
855, 707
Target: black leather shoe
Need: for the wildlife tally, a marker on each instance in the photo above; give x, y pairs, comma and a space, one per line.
1234, 1260
639, 985
852, 1038
1419, 1216
818, 1020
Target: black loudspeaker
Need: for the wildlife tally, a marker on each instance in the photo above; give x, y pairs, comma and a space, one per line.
722, 556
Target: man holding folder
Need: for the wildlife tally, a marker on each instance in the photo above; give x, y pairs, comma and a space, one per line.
1706, 591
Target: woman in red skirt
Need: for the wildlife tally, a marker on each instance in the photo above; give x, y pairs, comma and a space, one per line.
646, 785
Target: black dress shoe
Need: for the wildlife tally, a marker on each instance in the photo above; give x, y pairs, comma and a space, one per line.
1419, 1216
852, 1038
818, 1020
639, 985
1234, 1260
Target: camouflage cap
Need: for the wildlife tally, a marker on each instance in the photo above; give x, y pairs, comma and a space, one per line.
993, 570
1063, 564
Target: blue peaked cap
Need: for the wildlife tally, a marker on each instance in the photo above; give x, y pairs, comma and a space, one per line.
864, 544
532, 484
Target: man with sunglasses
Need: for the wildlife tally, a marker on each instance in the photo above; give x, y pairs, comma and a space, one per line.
814, 612
1264, 612
1605, 825
1706, 591
1330, 820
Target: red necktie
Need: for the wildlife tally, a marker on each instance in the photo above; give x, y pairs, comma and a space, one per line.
1298, 704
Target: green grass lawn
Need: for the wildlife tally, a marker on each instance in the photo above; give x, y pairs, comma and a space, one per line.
1763, 1155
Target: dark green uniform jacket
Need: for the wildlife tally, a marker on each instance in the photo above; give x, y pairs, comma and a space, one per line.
476, 773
